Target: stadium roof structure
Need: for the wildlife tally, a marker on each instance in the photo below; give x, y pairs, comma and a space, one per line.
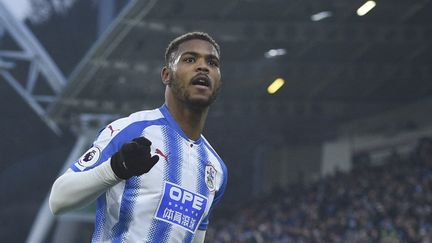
340, 68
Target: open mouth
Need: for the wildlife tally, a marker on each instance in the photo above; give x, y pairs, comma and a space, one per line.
201, 80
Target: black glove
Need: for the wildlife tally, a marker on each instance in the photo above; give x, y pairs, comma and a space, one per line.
133, 159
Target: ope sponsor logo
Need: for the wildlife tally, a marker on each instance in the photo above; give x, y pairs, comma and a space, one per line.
185, 197
181, 207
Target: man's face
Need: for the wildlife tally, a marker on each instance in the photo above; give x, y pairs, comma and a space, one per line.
194, 74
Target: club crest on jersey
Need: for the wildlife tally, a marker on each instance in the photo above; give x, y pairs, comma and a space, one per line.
90, 157
210, 177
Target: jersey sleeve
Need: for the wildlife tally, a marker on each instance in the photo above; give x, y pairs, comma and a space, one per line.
217, 198
108, 141
74, 190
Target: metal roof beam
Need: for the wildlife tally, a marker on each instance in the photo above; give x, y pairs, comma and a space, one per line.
234, 68
235, 31
107, 42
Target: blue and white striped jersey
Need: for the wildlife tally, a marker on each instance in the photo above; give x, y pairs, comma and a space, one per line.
172, 200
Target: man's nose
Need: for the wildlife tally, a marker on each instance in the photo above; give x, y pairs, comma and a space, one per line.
202, 66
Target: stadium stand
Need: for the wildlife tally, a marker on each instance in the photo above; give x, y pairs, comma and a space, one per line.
386, 203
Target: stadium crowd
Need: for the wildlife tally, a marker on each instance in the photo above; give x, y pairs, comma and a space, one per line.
391, 202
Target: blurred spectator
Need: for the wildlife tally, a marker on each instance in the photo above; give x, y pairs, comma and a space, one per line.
387, 203
424, 150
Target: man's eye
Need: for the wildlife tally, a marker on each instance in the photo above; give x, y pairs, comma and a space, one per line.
213, 63
189, 59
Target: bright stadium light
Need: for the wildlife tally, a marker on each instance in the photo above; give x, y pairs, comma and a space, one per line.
321, 15
365, 8
275, 86
275, 52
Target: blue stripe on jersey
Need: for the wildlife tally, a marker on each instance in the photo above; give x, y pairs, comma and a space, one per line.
201, 180
164, 110
159, 230
128, 133
74, 168
188, 238
100, 218
203, 162
126, 208
221, 190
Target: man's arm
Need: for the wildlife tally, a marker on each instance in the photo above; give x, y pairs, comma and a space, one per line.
76, 189
199, 236
73, 190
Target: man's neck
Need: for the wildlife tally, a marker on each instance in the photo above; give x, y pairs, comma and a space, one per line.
191, 121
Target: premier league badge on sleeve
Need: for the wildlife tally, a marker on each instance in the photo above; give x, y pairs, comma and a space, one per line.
210, 177
90, 157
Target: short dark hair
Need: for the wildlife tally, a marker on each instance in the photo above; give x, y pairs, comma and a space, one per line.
174, 45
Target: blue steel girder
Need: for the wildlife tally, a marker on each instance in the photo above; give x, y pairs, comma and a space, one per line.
41, 67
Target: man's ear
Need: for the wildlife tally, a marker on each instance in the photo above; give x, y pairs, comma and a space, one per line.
166, 76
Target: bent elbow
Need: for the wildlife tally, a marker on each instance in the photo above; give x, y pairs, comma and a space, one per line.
54, 209
54, 206
55, 199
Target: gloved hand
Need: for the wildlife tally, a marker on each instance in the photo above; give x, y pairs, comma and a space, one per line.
133, 159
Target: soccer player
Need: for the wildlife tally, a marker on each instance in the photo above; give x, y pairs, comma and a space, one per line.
154, 177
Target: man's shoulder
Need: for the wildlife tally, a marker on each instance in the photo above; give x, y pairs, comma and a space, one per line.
139, 116
214, 153
145, 115
135, 121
